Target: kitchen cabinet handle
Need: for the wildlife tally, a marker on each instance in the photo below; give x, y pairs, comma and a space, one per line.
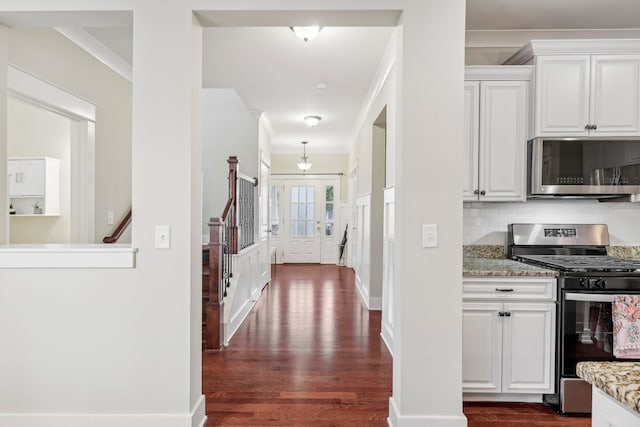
482, 193
504, 289
476, 192
507, 313
587, 126
594, 127
501, 313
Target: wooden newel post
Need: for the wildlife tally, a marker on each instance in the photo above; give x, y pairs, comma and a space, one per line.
214, 331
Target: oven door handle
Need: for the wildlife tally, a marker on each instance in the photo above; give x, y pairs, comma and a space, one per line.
573, 296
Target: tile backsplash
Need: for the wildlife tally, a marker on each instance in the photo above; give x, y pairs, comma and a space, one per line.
486, 223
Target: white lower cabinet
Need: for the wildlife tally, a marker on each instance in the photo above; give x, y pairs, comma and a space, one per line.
608, 412
508, 346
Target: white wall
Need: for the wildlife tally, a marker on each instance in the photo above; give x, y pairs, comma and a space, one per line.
286, 163
117, 347
228, 129
486, 223
36, 132
38, 51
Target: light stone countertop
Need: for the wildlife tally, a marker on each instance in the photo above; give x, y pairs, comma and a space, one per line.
620, 380
474, 267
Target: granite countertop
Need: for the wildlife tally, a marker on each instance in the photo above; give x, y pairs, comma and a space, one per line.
501, 267
620, 380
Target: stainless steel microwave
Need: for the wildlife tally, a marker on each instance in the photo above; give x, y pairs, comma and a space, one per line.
583, 167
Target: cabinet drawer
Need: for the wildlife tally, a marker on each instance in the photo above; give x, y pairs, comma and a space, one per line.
508, 288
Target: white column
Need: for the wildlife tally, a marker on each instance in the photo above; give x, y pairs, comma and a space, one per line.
427, 367
166, 157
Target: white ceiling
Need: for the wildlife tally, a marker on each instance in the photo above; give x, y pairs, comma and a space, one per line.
277, 74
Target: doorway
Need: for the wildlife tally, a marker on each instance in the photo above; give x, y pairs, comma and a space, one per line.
305, 217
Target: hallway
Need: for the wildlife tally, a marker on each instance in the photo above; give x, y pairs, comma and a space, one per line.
310, 355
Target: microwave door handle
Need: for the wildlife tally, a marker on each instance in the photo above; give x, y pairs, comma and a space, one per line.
572, 296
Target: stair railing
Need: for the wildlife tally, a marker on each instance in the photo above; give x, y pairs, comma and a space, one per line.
229, 233
119, 230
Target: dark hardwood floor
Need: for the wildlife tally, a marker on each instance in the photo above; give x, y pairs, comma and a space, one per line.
310, 354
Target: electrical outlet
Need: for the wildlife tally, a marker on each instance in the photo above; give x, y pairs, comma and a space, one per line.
110, 218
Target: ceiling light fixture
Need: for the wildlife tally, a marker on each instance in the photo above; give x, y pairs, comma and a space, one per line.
312, 121
306, 33
304, 165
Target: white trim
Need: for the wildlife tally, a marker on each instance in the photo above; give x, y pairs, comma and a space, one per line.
384, 69
102, 53
196, 418
498, 72
67, 256
396, 419
387, 338
236, 321
502, 397
519, 38
28, 87
574, 47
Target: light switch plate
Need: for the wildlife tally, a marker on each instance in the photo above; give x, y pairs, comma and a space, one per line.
429, 235
109, 217
163, 237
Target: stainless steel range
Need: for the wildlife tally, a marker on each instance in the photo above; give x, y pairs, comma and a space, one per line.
588, 279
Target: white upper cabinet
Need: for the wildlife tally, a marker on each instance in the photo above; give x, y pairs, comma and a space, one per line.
584, 87
615, 95
34, 185
562, 95
495, 130
587, 95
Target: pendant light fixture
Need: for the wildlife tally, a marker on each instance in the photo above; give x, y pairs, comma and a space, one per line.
304, 165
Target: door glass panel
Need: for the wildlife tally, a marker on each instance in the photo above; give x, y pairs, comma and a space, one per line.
302, 214
328, 211
274, 210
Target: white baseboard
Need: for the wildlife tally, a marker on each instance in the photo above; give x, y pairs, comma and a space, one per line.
387, 337
398, 420
196, 418
371, 303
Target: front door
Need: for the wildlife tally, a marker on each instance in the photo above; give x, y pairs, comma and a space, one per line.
304, 220
302, 229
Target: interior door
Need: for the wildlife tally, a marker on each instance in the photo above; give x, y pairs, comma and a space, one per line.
264, 228
302, 223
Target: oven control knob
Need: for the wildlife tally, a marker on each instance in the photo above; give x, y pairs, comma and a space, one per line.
583, 283
601, 283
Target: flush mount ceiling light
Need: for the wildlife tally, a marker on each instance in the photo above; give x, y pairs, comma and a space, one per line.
312, 121
306, 33
304, 165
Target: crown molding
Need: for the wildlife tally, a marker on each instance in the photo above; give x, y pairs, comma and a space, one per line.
519, 38
498, 72
577, 47
102, 53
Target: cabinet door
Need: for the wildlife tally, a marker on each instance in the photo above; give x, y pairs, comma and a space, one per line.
481, 347
562, 95
615, 95
528, 347
503, 118
471, 134
33, 177
14, 177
